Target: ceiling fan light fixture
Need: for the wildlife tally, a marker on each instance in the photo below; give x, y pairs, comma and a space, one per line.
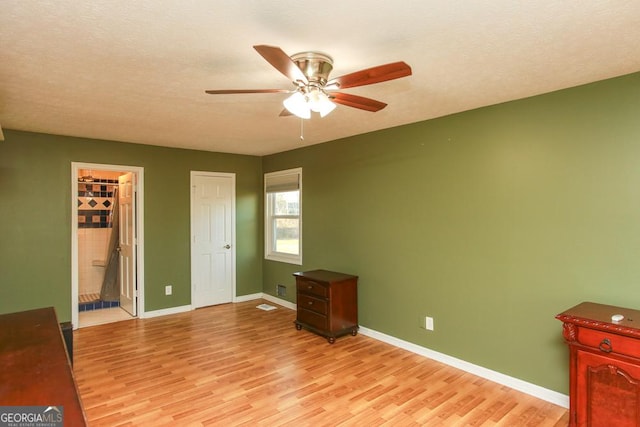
324, 105
301, 104
297, 105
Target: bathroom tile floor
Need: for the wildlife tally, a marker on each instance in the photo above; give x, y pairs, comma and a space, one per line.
99, 317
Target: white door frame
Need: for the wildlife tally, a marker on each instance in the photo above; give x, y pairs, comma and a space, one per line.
139, 171
233, 228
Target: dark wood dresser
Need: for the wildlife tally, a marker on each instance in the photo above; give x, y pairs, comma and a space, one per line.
327, 303
604, 370
34, 367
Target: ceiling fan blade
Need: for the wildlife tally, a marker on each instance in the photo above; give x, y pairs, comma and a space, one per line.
356, 101
281, 62
285, 113
234, 91
378, 74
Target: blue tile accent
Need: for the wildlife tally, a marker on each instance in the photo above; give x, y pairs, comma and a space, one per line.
97, 305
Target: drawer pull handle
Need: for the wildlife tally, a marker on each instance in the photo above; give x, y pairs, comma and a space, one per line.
606, 346
310, 302
310, 287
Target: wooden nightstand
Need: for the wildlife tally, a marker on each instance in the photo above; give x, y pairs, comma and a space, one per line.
327, 303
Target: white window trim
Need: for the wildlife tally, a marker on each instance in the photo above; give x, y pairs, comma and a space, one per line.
268, 230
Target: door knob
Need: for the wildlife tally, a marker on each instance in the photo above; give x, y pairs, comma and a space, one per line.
227, 246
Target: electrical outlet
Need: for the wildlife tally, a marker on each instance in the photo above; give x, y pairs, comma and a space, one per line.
281, 290
428, 323
168, 290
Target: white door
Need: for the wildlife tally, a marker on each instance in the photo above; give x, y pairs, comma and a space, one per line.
212, 229
127, 243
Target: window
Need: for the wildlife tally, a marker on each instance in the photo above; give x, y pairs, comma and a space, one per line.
283, 219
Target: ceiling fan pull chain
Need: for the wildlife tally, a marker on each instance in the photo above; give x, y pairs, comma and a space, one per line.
301, 129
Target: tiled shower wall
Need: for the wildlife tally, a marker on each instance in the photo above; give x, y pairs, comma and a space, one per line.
92, 255
95, 202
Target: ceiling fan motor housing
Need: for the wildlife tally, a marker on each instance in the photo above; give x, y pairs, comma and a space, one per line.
315, 66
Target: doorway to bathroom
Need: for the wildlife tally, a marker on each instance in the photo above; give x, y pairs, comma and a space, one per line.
107, 243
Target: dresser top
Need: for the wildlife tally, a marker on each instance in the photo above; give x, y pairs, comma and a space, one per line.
35, 367
325, 276
598, 316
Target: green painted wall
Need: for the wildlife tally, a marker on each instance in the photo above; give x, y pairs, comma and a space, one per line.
491, 221
35, 217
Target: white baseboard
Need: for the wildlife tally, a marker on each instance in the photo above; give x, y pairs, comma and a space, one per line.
497, 377
242, 298
270, 298
245, 298
166, 311
279, 301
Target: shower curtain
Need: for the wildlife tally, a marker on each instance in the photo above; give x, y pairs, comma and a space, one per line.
110, 290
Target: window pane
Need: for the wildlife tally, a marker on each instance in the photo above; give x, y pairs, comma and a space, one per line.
287, 203
286, 236
282, 215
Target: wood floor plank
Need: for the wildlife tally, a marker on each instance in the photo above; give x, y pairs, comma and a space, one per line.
234, 364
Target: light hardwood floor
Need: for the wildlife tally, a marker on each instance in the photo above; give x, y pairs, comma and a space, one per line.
234, 364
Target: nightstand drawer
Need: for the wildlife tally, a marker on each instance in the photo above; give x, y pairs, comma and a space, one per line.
311, 287
313, 319
609, 343
314, 304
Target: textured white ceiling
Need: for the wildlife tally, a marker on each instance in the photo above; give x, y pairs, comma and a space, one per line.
136, 71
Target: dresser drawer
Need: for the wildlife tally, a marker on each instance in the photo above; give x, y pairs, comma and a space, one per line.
609, 343
314, 304
313, 319
311, 287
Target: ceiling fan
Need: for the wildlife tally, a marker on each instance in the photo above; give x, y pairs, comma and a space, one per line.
313, 91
